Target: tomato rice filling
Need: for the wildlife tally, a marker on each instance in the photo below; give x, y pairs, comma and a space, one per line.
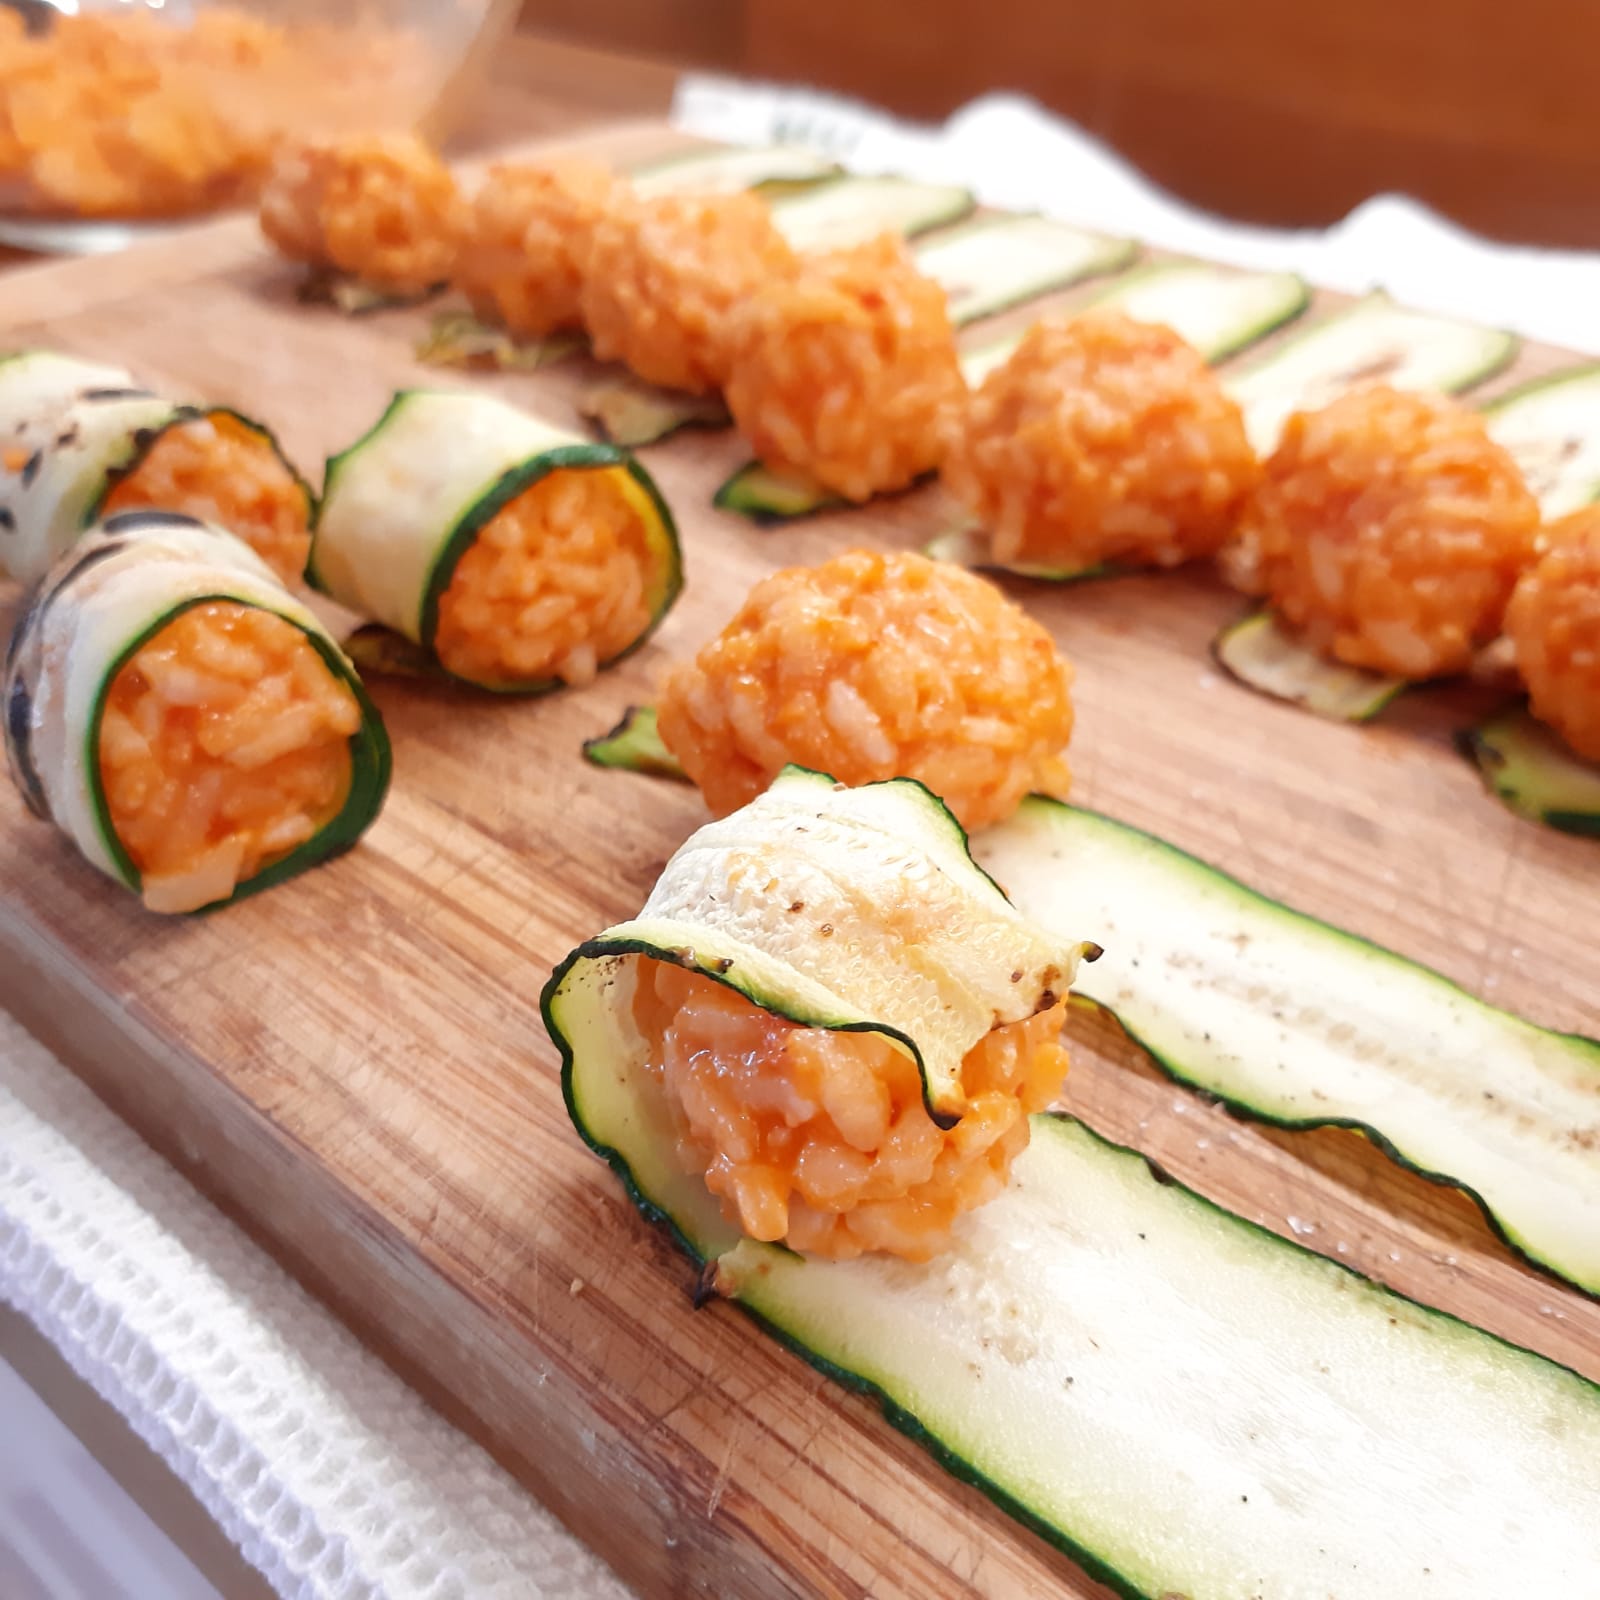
224, 471
876, 666
554, 586
224, 743
822, 1139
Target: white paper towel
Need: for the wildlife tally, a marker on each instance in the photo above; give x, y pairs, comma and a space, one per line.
1011, 153
331, 1476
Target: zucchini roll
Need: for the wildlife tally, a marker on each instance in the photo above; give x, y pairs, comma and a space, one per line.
82, 442
189, 725
825, 1016
517, 555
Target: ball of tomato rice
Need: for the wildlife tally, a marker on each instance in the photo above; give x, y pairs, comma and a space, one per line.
1553, 623
663, 276
847, 371
876, 666
382, 208
1101, 439
526, 243
1389, 529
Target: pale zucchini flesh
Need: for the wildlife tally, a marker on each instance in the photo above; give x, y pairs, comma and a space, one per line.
966, 545
635, 745
1292, 1021
1531, 771
1373, 341
850, 210
1263, 655
1552, 427
725, 169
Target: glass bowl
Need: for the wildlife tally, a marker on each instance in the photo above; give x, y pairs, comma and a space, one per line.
122, 117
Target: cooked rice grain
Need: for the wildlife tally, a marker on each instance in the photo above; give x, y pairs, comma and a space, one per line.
876, 666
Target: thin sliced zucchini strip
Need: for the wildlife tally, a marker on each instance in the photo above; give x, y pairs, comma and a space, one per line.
75, 432
851, 209
1297, 1023
1215, 309
1552, 427
119, 585
635, 745
404, 503
1189, 1405
1530, 770
1261, 654
460, 339
1373, 341
724, 169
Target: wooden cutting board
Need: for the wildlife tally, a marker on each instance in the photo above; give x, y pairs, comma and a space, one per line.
354, 1064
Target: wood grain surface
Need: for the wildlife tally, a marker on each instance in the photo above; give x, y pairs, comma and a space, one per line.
354, 1064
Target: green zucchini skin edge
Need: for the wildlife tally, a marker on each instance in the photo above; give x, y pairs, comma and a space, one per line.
494, 500
742, 494
371, 766
1382, 697
143, 445
1551, 380
634, 745
1249, 1113
1483, 747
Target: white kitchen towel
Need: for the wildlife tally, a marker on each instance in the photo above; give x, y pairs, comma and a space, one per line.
1012, 153
332, 1477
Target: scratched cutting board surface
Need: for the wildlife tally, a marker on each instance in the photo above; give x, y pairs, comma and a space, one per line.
354, 1064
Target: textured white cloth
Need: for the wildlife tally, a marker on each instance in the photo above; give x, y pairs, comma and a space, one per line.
332, 1477
335, 1480
1011, 153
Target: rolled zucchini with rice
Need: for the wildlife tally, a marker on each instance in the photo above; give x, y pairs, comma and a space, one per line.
190, 726
506, 553
810, 1055
80, 441
827, 1017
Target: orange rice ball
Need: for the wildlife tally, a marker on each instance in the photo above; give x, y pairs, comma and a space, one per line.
1553, 623
663, 276
820, 1138
876, 666
1102, 439
381, 207
527, 240
847, 372
1389, 528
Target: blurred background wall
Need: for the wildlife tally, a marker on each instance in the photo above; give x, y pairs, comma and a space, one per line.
1271, 110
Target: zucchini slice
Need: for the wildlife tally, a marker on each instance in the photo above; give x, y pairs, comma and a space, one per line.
459, 339
966, 546
635, 745
404, 503
351, 297
1530, 770
724, 169
119, 585
1262, 655
76, 440
1183, 1402
848, 210
1189, 1405
1372, 341
1294, 1022
1217, 309
1552, 427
